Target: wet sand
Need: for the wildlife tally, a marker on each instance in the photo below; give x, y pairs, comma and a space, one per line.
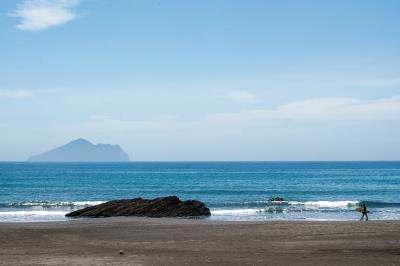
146, 241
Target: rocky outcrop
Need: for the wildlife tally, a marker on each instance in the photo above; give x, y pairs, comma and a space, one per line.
276, 199
159, 207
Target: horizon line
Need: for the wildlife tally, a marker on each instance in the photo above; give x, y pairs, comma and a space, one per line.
201, 161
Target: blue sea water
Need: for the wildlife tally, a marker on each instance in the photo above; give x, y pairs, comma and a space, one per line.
232, 190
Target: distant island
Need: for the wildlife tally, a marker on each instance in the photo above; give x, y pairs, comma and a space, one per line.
81, 150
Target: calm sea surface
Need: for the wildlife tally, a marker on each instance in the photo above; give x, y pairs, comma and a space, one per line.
232, 190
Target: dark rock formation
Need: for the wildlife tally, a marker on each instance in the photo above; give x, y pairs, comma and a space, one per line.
276, 199
159, 207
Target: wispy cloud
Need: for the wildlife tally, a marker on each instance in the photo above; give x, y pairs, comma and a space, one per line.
383, 82
16, 93
39, 15
327, 109
320, 109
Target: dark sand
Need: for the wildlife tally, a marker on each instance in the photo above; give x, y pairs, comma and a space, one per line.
199, 242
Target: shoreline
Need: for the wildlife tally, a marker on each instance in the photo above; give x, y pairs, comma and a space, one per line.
249, 221
211, 218
171, 241
306, 211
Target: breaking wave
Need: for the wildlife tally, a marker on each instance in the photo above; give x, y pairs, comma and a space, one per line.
246, 210
32, 216
285, 207
49, 204
343, 204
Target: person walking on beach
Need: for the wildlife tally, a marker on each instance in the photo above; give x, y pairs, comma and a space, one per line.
364, 213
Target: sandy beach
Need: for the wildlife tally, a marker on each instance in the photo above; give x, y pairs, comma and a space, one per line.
146, 241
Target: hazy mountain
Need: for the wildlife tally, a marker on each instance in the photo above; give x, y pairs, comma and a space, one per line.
81, 150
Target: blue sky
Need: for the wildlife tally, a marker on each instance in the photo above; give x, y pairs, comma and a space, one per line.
202, 80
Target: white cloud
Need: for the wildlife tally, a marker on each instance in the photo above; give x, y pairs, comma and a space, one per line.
16, 93
39, 15
320, 109
384, 82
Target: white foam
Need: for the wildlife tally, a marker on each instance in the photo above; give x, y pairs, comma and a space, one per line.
87, 203
236, 212
291, 207
56, 203
326, 204
31, 216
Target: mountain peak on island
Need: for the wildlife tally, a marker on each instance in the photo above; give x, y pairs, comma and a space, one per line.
82, 150
79, 143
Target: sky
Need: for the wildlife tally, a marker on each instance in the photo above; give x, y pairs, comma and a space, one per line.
208, 80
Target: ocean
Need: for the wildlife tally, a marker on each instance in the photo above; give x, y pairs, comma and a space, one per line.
236, 191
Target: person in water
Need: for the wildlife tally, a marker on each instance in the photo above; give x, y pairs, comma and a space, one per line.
364, 213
